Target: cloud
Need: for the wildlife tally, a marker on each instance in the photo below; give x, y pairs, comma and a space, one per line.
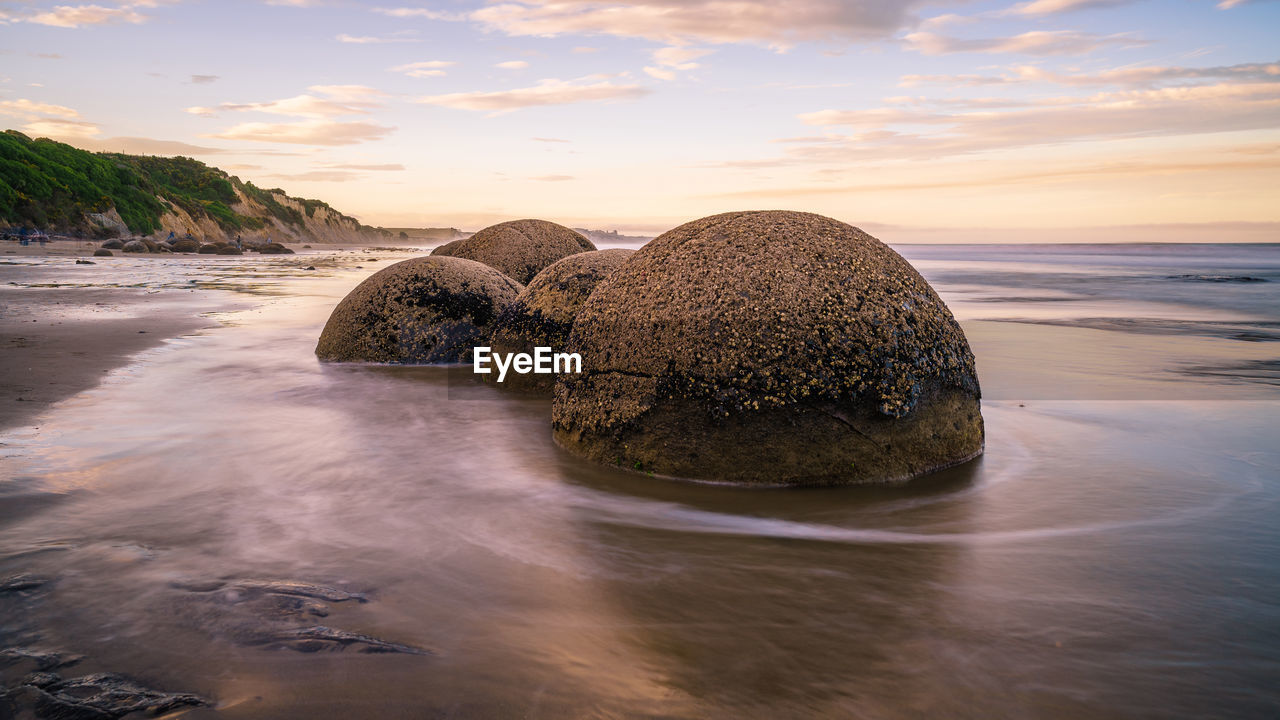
553, 178
548, 140
373, 40
584, 50
30, 110
931, 133
429, 68
1052, 7
203, 79
417, 12
390, 167
320, 176
58, 128
1132, 76
350, 93
341, 100
45, 120
1036, 42
671, 59
74, 16
546, 92
762, 22
308, 132
1076, 172
512, 65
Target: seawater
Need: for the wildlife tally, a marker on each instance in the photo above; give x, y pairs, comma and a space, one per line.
1112, 555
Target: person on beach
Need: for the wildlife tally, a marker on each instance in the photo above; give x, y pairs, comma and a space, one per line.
238, 245
171, 236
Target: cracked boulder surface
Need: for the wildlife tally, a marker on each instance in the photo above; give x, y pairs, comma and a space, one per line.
519, 248
543, 313
423, 311
770, 348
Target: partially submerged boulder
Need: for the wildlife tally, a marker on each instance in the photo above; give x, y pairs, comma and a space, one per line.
427, 310
770, 348
229, 250
543, 314
520, 248
102, 252
273, 249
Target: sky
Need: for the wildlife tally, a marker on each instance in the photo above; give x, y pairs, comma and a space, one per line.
952, 120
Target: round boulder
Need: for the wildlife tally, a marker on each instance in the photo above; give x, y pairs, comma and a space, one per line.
770, 348
135, 246
114, 244
102, 252
520, 248
208, 249
423, 311
185, 246
274, 249
543, 313
229, 250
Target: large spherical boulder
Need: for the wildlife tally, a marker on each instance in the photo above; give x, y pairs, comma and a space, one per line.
770, 348
423, 311
113, 244
543, 314
135, 246
520, 248
185, 246
229, 250
102, 252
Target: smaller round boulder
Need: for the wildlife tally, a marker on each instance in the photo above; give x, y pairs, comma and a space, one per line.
209, 249
135, 246
424, 311
103, 252
543, 314
520, 248
113, 244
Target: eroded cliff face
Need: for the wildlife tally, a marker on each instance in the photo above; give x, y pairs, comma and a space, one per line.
314, 223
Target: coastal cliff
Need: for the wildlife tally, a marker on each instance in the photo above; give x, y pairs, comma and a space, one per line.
53, 186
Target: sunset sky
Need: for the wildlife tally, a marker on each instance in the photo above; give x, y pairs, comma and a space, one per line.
919, 121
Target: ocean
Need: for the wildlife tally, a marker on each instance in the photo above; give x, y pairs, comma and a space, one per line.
1114, 554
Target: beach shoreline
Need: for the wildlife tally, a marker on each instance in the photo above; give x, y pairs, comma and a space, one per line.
59, 342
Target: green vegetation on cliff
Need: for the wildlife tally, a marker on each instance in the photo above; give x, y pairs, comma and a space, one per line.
48, 184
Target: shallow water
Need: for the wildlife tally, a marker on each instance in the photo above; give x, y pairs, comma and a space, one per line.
1113, 554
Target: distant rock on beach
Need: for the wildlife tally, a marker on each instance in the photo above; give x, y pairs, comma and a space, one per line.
520, 248
770, 348
426, 310
543, 314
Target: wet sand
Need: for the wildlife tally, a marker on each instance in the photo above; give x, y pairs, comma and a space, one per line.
55, 343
